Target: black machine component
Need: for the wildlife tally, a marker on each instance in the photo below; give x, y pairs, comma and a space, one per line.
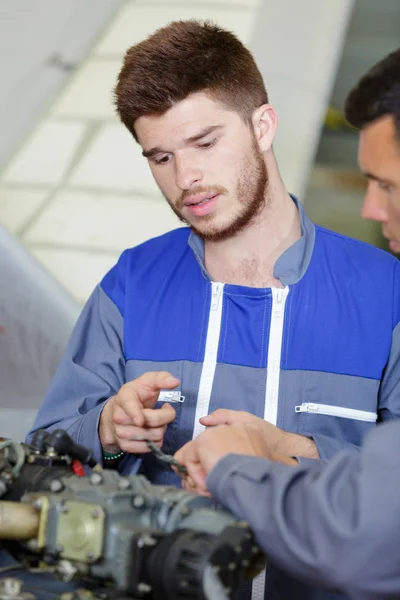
122, 534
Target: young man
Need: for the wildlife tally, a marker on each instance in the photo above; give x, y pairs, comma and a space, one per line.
335, 524
249, 308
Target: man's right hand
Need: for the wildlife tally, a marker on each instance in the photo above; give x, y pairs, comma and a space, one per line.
130, 415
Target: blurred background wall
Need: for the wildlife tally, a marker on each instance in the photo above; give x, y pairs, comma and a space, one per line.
74, 188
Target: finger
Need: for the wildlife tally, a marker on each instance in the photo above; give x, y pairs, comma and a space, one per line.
159, 417
148, 386
127, 408
188, 456
197, 475
222, 416
180, 454
136, 446
132, 433
194, 489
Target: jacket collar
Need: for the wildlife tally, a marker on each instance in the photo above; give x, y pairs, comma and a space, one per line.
291, 265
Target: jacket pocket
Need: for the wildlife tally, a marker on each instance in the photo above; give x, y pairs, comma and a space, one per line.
337, 411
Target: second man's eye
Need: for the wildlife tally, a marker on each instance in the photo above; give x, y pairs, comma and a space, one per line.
161, 160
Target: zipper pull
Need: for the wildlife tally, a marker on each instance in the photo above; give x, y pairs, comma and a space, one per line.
280, 293
306, 407
216, 295
171, 396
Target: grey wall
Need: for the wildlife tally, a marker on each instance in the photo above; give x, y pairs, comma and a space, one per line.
40, 42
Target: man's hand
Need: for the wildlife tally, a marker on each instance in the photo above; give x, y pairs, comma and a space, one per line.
130, 416
201, 454
276, 439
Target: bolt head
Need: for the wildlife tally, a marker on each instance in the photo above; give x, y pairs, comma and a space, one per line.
138, 501
56, 486
96, 479
124, 484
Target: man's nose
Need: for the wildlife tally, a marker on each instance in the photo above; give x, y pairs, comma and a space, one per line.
187, 173
374, 206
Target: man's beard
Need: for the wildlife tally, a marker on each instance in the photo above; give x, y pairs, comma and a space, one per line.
251, 192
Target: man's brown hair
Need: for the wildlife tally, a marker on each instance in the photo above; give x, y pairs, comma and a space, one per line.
183, 58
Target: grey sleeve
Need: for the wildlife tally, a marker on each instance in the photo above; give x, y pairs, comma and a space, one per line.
389, 393
328, 446
333, 524
91, 370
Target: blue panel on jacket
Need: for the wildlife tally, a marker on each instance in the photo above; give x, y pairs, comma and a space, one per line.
245, 326
166, 301
338, 318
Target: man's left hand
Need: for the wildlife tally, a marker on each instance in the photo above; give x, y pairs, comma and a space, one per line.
276, 439
201, 454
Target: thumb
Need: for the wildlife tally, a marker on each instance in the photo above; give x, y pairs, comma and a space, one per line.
222, 416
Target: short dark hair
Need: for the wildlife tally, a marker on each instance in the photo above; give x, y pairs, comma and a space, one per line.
182, 58
377, 94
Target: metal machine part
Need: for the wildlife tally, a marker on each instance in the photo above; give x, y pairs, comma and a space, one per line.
12, 589
145, 541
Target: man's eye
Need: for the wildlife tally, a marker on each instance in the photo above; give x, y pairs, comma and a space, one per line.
385, 187
208, 144
161, 160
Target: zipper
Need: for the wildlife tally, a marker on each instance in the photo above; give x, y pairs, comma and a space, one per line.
337, 411
210, 356
279, 296
274, 354
171, 396
216, 294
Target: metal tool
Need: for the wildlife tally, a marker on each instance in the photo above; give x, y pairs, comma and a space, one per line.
167, 459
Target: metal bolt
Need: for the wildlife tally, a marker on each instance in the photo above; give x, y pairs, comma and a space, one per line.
56, 486
231, 566
255, 549
95, 513
146, 540
32, 545
96, 479
144, 588
124, 484
228, 591
138, 501
37, 504
90, 556
11, 587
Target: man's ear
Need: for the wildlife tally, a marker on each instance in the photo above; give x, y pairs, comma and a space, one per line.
265, 123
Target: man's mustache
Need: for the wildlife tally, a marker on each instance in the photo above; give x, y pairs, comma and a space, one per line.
209, 189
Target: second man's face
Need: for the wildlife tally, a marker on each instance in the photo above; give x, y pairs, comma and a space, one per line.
379, 159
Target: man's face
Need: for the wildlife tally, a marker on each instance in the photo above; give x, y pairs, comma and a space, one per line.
379, 159
207, 164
